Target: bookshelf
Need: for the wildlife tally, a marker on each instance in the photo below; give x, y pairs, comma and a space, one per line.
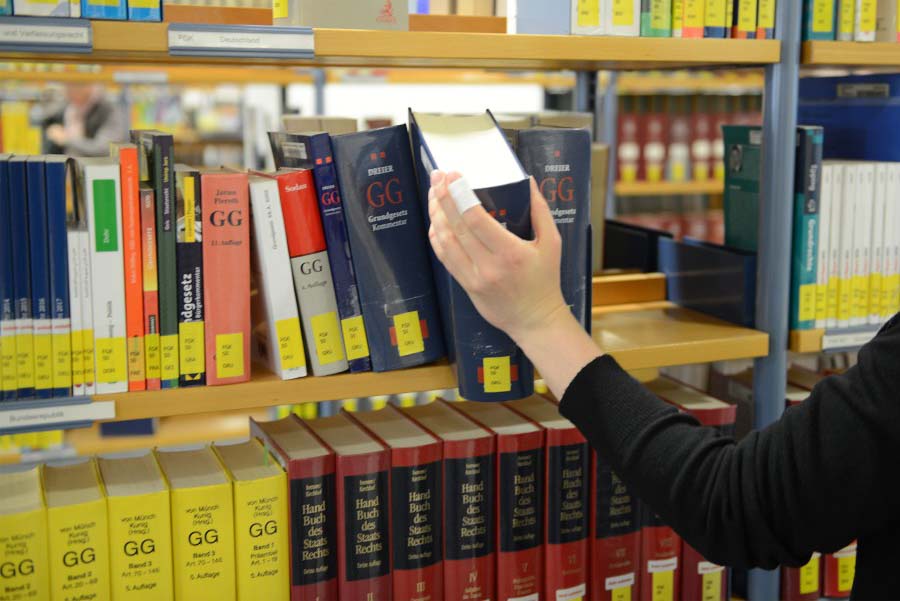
818, 341
850, 54
669, 188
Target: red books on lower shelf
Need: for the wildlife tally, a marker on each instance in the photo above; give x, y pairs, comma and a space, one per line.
616, 536
838, 572
660, 552
802, 584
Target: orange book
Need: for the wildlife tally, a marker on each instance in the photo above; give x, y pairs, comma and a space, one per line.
225, 204
134, 280
153, 366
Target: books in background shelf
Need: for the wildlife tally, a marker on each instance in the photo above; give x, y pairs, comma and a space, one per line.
615, 536
587, 18
310, 468
845, 20
827, 204
385, 222
807, 188
538, 16
765, 19
38, 8
745, 20
865, 20
629, 138
715, 24
877, 245
21, 278
150, 288
819, 19
189, 232
86, 301
344, 14
693, 18
653, 152
40, 277
677, 18
835, 232
656, 18
887, 27
59, 173
838, 572
802, 584
890, 288
660, 554
701, 139
105, 9
226, 268
8, 382
862, 231
845, 281
623, 17
23, 535
144, 10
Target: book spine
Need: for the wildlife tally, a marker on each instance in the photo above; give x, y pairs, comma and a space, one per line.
623, 17
21, 281
694, 18
660, 552
862, 230
801, 584
167, 263
588, 17
226, 287
701, 143
189, 260
834, 245
865, 20
887, 28
87, 311
40, 278
78, 545
24, 547
714, 24
823, 247
765, 26
150, 289
131, 245
656, 18
806, 228
839, 570
846, 20
8, 381
848, 210
616, 544
701, 579
140, 559
745, 20
334, 225
876, 271
890, 291
57, 173
677, 18
75, 297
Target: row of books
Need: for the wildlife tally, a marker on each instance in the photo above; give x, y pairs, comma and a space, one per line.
678, 137
476, 8
851, 20
446, 500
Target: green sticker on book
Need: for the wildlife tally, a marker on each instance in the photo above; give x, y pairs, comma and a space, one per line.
106, 235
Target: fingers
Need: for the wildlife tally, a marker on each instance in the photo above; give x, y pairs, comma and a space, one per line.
451, 254
541, 218
446, 215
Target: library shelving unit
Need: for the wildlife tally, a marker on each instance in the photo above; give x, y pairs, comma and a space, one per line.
850, 54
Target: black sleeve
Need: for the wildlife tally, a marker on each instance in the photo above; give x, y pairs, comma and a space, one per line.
820, 477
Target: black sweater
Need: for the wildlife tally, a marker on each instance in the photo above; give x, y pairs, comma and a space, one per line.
825, 474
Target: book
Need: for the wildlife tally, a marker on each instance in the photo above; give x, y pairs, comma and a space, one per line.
261, 526
587, 17
203, 542
656, 18
558, 160
714, 19
362, 491
42, 338
701, 139
629, 138
722, 116
157, 165
385, 224
802, 584
890, 289
745, 20
140, 532
623, 17
345, 14
819, 19
150, 289
189, 232
144, 10
660, 554
599, 193
742, 185
765, 19
468, 506
8, 382
887, 28
807, 187
519, 499
23, 535
99, 181
489, 365
36, 8
678, 152
845, 20
225, 208
677, 18
416, 554
129, 175
849, 175
311, 271
105, 9
865, 20
83, 239
693, 19
615, 536
537, 16
313, 151
78, 531
276, 321
59, 174
654, 136
823, 246
313, 513
877, 248
838, 572
862, 231
834, 242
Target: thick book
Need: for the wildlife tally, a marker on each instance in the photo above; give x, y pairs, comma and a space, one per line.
766, 16
744, 20
818, 19
59, 174
838, 572
845, 21
519, 500
99, 182
362, 491
469, 468
887, 28
804, 583
389, 246
261, 526
202, 524
157, 165
313, 151
278, 340
140, 528
313, 506
416, 549
623, 17
189, 232
311, 271
807, 187
862, 231
39, 253
226, 265
8, 382
130, 176
660, 554
559, 160
567, 503
615, 536
656, 18
715, 24
694, 18
23, 535
823, 245
21, 278
150, 287
865, 20
78, 531
489, 365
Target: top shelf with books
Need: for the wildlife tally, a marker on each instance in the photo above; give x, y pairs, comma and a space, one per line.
135, 42
850, 54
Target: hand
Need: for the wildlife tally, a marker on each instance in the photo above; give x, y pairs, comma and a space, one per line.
57, 134
514, 283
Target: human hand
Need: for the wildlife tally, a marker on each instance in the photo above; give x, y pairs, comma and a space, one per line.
514, 283
57, 134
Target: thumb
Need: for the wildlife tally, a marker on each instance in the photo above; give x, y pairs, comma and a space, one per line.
541, 218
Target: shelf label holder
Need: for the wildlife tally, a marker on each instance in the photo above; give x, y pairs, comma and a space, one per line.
17, 417
45, 34
853, 338
241, 41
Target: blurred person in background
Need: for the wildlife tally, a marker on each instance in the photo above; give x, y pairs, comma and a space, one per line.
86, 124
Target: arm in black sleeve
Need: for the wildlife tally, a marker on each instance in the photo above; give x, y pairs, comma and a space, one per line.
815, 480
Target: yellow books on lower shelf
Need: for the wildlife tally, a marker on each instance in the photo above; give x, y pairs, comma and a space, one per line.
260, 521
78, 532
202, 525
23, 537
140, 535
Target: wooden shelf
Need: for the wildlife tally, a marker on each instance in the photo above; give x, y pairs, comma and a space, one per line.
818, 341
851, 54
628, 288
639, 336
133, 42
669, 188
806, 341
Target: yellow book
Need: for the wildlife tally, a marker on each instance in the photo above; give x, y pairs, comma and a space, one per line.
24, 569
140, 534
202, 525
78, 532
260, 521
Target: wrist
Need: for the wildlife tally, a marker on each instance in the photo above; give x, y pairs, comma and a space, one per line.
552, 323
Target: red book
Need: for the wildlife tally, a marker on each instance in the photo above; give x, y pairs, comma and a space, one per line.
678, 153
417, 569
150, 283
519, 500
660, 552
629, 150
721, 116
468, 501
310, 470
838, 573
802, 584
567, 505
226, 268
702, 139
363, 537
656, 126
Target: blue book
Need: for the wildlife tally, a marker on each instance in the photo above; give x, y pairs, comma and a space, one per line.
59, 174
8, 384
40, 277
103, 9
314, 152
489, 365
144, 10
818, 19
21, 278
388, 244
189, 266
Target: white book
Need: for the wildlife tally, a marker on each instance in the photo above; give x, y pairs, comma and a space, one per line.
890, 293
886, 29
865, 20
275, 315
845, 281
862, 232
834, 244
589, 17
73, 243
823, 246
876, 249
623, 18
101, 186
87, 311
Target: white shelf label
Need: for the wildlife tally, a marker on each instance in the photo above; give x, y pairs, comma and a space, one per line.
48, 35
46, 417
847, 339
246, 40
662, 565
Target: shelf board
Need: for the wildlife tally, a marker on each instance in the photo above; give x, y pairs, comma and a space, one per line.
818, 341
134, 42
625, 288
851, 54
639, 336
669, 188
